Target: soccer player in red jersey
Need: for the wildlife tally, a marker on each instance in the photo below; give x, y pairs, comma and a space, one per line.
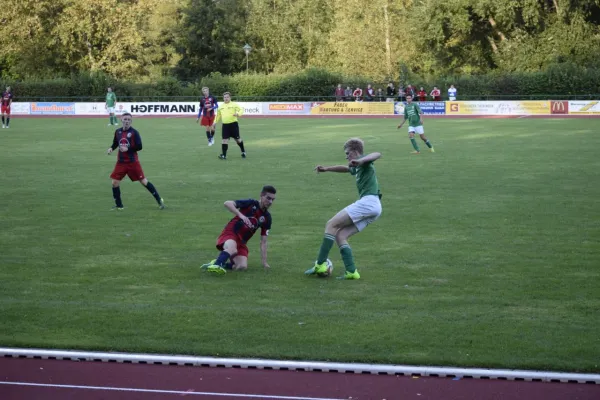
129, 142
206, 114
7, 98
250, 215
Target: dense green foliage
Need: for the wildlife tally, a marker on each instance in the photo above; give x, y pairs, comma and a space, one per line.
560, 81
144, 40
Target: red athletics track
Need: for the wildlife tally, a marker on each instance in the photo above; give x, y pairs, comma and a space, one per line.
54, 379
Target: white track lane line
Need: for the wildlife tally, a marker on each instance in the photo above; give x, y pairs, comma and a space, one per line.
177, 392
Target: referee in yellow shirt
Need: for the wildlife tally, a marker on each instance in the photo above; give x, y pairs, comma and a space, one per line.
229, 113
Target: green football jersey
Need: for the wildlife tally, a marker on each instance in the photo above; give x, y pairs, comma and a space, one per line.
111, 99
366, 180
412, 112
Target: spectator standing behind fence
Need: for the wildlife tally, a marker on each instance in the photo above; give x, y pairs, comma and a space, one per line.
410, 91
436, 94
391, 92
357, 94
369, 93
452, 93
401, 93
422, 94
348, 94
380, 96
339, 93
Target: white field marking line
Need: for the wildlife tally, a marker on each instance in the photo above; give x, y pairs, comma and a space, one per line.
179, 392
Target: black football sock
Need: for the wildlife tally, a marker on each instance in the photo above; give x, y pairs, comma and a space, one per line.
7, 121
3, 120
224, 149
241, 144
154, 192
208, 135
117, 196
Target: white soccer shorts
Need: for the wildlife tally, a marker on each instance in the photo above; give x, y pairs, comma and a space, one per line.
111, 110
364, 211
416, 129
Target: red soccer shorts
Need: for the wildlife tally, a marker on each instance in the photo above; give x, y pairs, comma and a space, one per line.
207, 121
133, 170
6, 110
242, 249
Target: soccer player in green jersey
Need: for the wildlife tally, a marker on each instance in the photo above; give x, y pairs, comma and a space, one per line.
413, 113
357, 215
111, 102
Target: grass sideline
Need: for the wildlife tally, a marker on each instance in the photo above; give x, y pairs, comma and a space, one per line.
486, 254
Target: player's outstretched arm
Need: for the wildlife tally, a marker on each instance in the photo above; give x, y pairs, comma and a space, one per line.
333, 168
366, 159
263, 251
230, 206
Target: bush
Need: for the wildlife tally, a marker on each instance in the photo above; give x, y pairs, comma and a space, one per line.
563, 80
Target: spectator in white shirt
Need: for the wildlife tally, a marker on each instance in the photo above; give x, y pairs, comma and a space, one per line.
452, 93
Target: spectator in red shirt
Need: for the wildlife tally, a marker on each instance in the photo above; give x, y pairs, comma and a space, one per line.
422, 94
436, 94
357, 94
339, 93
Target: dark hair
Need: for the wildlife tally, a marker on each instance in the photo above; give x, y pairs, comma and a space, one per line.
126, 113
269, 189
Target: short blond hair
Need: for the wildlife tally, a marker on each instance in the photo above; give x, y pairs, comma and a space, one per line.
205, 87
354, 144
227, 94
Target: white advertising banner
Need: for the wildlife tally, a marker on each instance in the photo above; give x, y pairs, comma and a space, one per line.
584, 107
154, 108
18, 108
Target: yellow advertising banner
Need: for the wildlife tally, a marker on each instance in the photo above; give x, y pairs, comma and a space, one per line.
525, 107
353, 108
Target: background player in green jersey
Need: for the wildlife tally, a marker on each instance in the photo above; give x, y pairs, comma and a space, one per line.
412, 113
357, 215
111, 102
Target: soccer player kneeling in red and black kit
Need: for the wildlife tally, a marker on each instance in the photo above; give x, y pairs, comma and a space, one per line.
250, 215
129, 142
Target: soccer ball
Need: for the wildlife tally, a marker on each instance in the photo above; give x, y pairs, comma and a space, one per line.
329, 270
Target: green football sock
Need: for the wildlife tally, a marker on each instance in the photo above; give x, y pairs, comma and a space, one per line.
110, 119
347, 257
325, 248
414, 143
428, 144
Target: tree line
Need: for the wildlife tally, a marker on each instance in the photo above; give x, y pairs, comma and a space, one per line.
145, 40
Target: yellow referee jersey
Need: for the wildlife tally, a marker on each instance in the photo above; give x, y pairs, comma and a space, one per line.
226, 110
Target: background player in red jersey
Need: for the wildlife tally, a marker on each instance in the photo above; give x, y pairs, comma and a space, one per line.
7, 98
206, 114
129, 142
250, 215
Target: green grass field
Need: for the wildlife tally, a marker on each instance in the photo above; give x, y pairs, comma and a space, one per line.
487, 253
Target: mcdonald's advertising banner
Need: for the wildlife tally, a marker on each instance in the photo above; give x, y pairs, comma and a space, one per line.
533, 107
584, 107
352, 108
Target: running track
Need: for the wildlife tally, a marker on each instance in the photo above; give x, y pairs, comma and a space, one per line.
32, 379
